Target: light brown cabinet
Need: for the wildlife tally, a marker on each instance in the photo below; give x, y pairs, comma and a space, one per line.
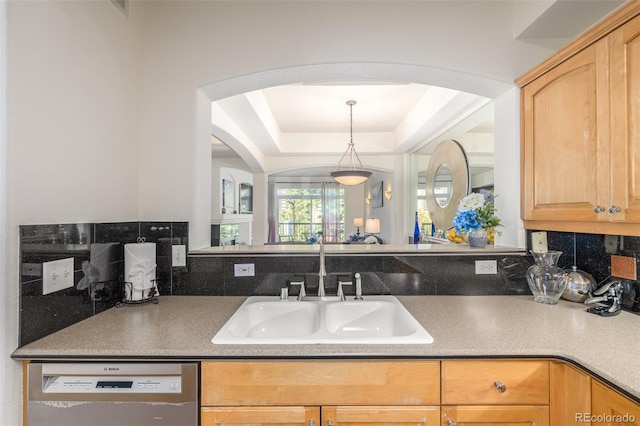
580, 134
479, 392
624, 58
405, 393
316, 416
502, 415
311, 392
611, 408
260, 416
570, 395
380, 415
565, 174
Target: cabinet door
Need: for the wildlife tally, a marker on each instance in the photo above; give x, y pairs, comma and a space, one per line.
260, 416
565, 136
611, 409
570, 393
486, 415
380, 416
625, 121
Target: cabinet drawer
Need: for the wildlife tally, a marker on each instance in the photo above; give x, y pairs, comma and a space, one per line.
478, 382
312, 382
284, 416
486, 415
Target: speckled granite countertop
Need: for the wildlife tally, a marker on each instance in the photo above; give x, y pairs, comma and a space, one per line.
181, 327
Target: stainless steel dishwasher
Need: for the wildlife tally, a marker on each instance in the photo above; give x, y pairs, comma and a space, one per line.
112, 394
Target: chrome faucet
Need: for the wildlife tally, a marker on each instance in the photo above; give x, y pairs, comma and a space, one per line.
322, 273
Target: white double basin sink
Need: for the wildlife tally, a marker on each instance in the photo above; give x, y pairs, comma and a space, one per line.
269, 320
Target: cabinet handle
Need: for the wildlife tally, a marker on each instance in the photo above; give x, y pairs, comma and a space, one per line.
312, 423
329, 422
614, 209
451, 423
598, 209
499, 386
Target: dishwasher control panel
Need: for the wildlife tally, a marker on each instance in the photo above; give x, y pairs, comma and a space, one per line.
123, 378
110, 384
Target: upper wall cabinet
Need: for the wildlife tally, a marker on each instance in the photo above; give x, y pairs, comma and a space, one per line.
581, 133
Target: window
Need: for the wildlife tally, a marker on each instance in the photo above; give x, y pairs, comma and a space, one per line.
307, 211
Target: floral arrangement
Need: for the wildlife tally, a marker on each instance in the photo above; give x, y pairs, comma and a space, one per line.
355, 238
315, 238
476, 211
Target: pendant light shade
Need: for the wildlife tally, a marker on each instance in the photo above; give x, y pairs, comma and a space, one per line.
354, 173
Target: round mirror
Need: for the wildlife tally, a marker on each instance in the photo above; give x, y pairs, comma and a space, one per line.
447, 181
442, 186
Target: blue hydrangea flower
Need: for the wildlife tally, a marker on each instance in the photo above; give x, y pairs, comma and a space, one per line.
466, 221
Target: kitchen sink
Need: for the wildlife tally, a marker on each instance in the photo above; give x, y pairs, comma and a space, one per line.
373, 318
266, 319
269, 320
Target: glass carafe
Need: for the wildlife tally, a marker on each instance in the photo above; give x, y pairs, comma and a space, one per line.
546, 280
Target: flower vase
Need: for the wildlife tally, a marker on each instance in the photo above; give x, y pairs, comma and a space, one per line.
477, 238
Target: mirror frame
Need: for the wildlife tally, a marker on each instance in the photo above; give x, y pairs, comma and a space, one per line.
451, 154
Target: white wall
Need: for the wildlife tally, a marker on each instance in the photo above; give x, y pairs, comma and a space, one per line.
507, 176
71, 142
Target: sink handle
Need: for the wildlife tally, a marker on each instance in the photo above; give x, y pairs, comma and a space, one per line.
500, 387
341, 283
302, 292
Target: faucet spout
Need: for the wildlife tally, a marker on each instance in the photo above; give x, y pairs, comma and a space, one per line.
358, 287
322, 273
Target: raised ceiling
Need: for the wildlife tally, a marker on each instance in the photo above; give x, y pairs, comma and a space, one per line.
389, 117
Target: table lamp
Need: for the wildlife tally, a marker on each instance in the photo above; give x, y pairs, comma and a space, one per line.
358, 222
373, 227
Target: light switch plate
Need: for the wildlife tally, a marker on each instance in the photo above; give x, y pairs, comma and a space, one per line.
244, 270
179, 255
539, 242
57, 275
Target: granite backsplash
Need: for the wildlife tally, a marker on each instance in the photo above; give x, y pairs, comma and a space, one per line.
41, 315
96, 245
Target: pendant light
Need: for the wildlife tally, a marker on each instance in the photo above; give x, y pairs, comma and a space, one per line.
355, 174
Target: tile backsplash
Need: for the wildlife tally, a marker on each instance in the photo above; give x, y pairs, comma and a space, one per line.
592, 253
97, 252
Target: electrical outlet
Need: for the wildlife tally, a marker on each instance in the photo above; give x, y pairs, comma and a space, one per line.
624, 267
32, 269
611, 244
244, 270
539, 242
486, 267
57, 275
179, 255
